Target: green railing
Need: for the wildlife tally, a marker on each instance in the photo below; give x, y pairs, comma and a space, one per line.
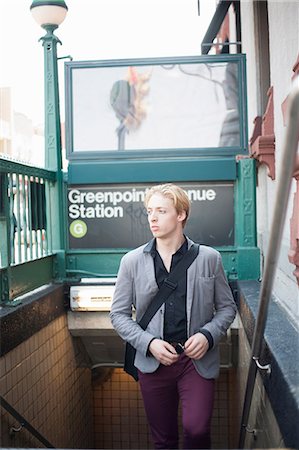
25, 228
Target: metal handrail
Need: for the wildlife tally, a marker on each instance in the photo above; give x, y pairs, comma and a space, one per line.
283, 191
23, 423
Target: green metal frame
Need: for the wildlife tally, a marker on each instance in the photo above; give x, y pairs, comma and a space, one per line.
89, 157
53, 151
17, 279
248, 254
144, 170
21, 278
241, 261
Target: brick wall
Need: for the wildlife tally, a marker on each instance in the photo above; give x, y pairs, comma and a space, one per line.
41, 380
119, 417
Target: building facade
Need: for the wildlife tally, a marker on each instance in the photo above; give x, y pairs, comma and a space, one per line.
268, 33
270, 39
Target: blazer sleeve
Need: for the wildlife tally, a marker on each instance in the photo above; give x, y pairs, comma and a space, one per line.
122, 309
224, 304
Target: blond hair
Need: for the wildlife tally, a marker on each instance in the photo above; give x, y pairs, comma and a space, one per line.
175, 193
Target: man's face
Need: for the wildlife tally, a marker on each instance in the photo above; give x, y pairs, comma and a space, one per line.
163, 218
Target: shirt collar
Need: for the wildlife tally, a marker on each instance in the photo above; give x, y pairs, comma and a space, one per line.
151, 247
184, 247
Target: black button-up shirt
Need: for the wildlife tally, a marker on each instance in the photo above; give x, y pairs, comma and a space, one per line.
175, 319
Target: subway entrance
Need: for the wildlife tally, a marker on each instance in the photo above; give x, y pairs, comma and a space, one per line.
114, 156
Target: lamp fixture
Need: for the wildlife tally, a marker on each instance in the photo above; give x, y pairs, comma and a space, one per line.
48, 12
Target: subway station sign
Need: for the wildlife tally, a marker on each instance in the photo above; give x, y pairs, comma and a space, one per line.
114, 216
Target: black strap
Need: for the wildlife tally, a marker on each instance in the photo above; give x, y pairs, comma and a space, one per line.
169, 285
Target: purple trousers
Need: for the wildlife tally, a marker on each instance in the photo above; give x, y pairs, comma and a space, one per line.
163, 390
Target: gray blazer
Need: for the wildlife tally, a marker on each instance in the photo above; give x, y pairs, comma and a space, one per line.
210, 304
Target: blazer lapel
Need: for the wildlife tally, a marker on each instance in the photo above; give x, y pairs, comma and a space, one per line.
191, 276
149, 267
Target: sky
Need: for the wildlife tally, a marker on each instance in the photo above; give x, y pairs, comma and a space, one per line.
94, 30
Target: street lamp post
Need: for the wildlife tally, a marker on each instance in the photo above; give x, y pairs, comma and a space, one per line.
49, 15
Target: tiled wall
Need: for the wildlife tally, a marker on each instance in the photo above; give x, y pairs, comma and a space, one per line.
41, 380
119, 417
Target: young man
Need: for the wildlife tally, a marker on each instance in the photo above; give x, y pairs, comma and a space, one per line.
177, 355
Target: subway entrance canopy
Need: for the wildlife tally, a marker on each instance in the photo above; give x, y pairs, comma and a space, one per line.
134, 123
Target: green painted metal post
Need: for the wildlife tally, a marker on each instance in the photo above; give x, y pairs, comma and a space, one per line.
53, 153
248, 258
5, 249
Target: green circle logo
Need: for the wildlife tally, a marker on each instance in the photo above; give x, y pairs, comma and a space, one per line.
78, 229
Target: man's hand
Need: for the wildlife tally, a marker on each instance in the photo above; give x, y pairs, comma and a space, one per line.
196, 346
163, 352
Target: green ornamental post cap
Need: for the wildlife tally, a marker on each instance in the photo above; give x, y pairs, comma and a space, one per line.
48, 3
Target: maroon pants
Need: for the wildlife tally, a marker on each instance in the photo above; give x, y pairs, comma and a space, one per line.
163, 390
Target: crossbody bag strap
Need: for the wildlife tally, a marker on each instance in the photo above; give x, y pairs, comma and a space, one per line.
169, 285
